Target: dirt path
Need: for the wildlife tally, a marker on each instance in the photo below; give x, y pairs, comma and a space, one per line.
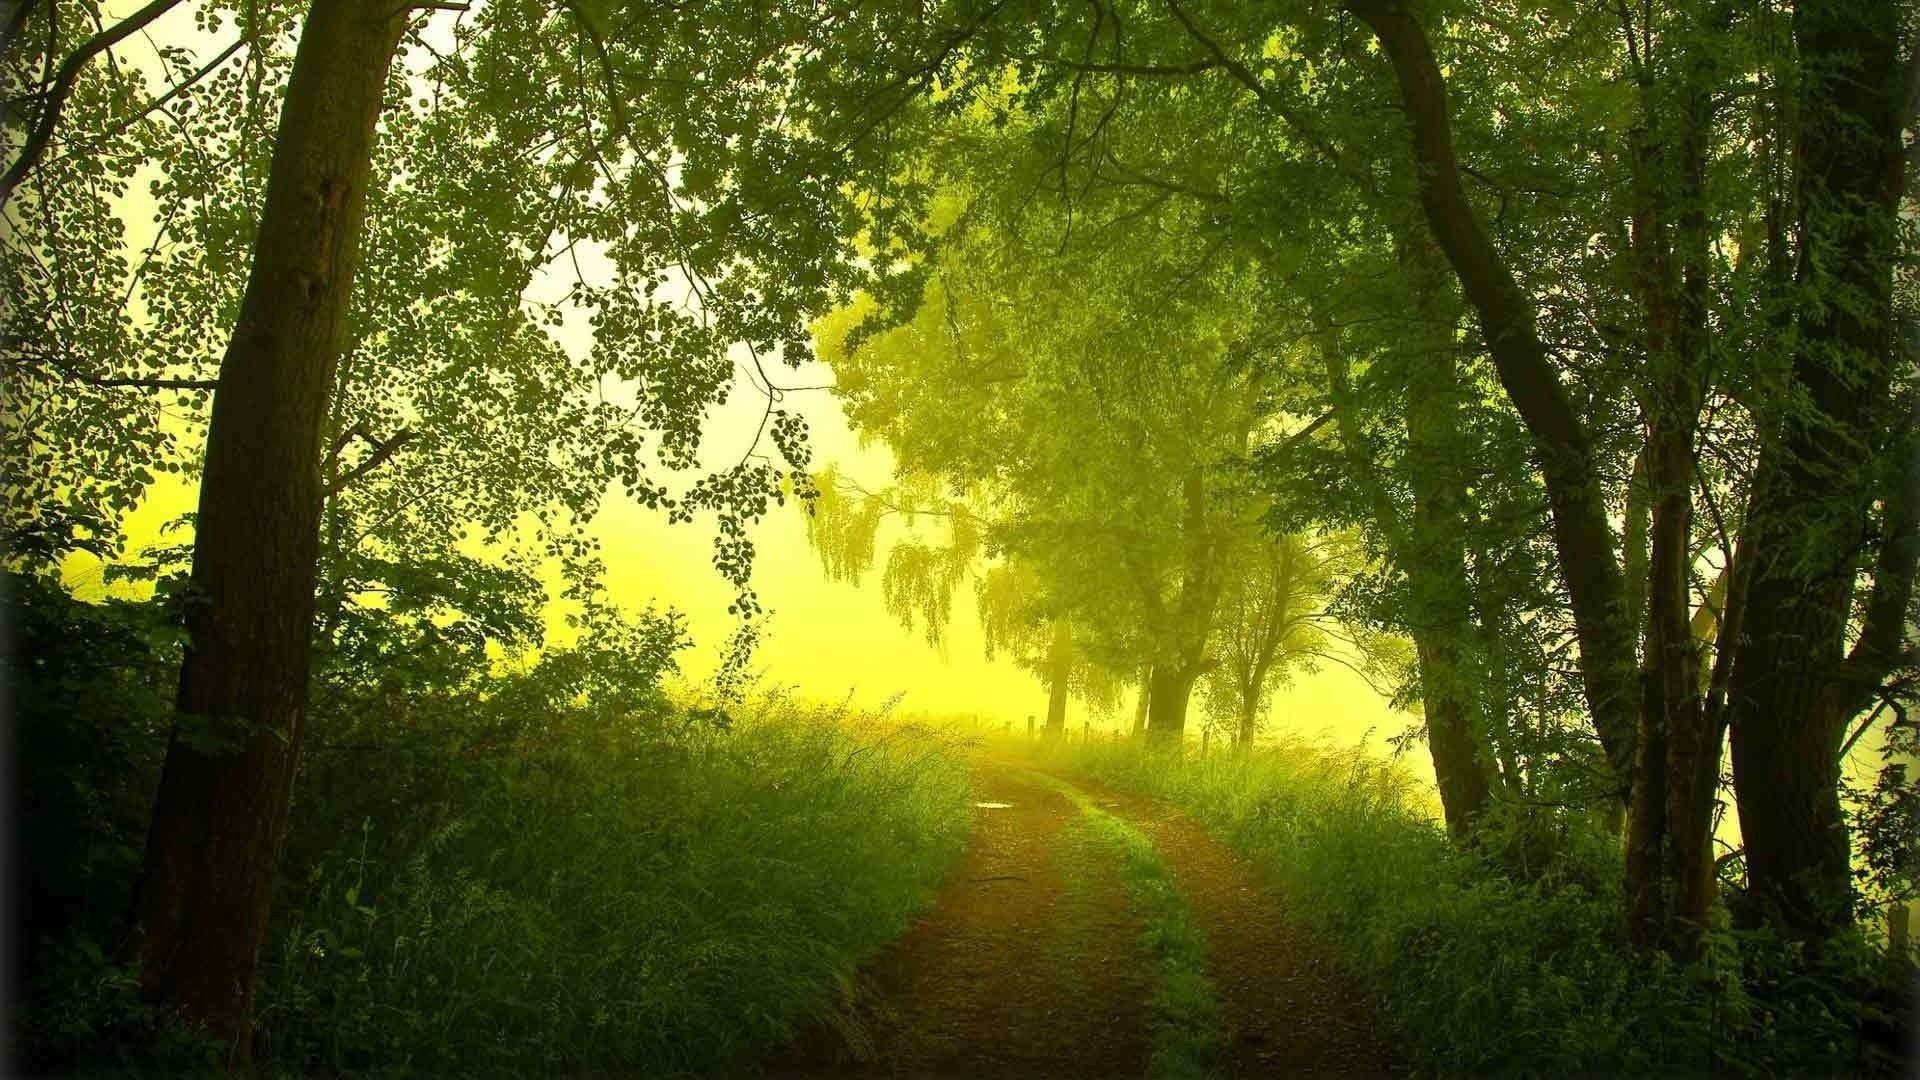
1026, 966
1032, 961
1289, 1011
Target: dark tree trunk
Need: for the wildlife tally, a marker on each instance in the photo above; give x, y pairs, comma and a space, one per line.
1441, 625
1249, 724
1583, 537
220, 815
1788, 701
1059, 671
1669, 860
1173, 679
1458, 767
1167, 707
1435, 554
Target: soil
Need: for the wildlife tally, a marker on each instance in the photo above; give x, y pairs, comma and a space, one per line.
1031, 961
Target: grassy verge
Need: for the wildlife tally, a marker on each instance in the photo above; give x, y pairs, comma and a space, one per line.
554, 870
1186, 1013
1481, 970
670, 909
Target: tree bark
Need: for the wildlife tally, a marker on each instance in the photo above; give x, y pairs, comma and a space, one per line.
1583, 538
1435, 555
1248, 726
1669, 860
1788, 704
1167, 707
1431, 550
1174, 676
220, 816
1059, 671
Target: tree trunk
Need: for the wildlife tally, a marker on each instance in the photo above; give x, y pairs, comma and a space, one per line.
1788, 704
1458, 768
1249, 723
1140, 704
1583, 536
1167, 707
201, 908
1173, 680
1669, 861
1435, 554
1059, 670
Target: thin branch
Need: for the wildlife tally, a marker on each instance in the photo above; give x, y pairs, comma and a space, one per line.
62, 88
160, 102
1872, 717
381, 453
153, 384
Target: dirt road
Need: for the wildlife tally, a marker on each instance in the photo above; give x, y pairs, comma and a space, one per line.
1037, 960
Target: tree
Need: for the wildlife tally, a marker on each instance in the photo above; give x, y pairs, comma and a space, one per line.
221, 811
282, 444
1103, 445
1272, 614
1838, 448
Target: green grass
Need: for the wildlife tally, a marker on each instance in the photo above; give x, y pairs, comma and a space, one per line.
668, 906
1483, 971
1186, 1012
549, 868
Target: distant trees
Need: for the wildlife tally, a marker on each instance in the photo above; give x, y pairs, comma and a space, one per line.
1273, 619
1103, 453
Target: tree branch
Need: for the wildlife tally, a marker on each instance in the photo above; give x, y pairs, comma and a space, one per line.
172, 92
62, 88
153, 384
381, 452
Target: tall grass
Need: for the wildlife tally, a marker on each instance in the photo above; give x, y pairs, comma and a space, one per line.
655, 906
1485, 968
553, 869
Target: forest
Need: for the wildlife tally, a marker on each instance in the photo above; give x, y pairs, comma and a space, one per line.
968, 538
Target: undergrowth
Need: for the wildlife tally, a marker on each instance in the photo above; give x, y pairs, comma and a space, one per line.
668, 907
1484, 968
533, 873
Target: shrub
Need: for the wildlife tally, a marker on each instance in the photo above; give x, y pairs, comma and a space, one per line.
551, 867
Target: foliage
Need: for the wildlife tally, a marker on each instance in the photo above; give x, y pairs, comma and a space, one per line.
640, 895
1482, 971
557, 868
91, 704
588, 228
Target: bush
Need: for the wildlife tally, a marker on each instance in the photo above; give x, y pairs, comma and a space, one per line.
667, 903
91, 701
551, 867
1483, 967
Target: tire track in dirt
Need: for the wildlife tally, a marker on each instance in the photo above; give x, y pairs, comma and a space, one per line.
1016, 970
1290, 1011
